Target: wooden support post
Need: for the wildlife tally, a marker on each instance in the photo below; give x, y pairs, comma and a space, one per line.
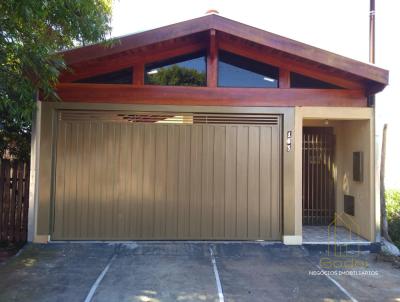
212, 60
138, 75
284, 78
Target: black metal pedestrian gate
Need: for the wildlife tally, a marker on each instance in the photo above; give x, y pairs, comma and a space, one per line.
318, 177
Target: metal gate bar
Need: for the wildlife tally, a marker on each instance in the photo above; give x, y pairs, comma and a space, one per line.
318, 180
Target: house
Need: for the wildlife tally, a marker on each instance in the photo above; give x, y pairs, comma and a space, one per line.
207, 129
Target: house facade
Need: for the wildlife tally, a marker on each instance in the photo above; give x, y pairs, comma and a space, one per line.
207, 129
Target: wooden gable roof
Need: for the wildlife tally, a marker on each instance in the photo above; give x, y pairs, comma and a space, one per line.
249, 41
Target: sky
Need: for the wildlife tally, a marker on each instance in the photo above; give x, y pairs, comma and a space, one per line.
340, 26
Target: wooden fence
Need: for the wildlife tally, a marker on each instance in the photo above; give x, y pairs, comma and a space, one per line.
14, 200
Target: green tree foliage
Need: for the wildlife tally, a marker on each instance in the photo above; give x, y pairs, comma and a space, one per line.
177, 76
392, 198
32, 33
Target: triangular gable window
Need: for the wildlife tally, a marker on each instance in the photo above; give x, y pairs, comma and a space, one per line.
301, 81
238, 71
123, 76
187, 70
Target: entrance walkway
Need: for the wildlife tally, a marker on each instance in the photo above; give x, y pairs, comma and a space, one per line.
325, 235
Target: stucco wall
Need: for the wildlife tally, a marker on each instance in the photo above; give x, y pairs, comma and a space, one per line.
354, 136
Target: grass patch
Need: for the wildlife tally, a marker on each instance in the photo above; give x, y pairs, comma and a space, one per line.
393, 214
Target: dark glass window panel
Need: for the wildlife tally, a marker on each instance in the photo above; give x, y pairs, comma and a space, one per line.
301, 81
188, 70
238, 71
123, 76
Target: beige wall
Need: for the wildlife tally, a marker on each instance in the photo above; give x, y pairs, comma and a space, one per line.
353, 136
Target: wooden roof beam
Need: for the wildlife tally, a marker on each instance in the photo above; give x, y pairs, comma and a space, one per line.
212, 60
209, 96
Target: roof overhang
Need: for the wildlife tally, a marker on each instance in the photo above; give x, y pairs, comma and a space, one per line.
377, 78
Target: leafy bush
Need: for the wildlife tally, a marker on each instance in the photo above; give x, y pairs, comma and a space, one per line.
393, 214
31, 35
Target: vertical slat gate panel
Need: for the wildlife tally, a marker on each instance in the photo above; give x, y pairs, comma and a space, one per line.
242, 181
115, 191
195, 181
59, 190
99, 177
116, 183
122, 176
184, 182
76, 158
253, 191
107, 185
230, 182
172, 185
144, 180
131, 199
219, 182
137, 181
148, 182
80, 198
85, 168
207, 182
266, 199
160, 181
91, 202
69, 177
275, 180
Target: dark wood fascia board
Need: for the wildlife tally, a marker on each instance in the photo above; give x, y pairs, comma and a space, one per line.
207, 96
299, 49
137, 40
292, 66
243, 31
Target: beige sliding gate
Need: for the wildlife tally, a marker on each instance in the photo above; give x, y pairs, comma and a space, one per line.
178, 176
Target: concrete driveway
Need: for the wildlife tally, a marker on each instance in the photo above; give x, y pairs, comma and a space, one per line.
181, 271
